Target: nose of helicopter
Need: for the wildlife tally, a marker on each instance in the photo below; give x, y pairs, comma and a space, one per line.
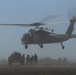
22, 40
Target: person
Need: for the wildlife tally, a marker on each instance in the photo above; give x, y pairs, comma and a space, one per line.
24, 56
31, 59
52, 30
27, 59
35, 58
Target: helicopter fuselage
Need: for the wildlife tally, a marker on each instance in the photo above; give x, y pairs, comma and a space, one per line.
44, 38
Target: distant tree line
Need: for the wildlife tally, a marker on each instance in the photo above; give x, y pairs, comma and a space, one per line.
48, 59
62, 60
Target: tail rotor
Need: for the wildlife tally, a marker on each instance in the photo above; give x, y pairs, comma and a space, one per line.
72, 14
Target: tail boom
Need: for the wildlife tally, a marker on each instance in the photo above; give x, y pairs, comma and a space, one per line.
71, 27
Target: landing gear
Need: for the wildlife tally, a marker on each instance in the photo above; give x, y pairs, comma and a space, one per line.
62, 46
41, 45
26, 46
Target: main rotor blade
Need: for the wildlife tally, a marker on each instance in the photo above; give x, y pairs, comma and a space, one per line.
32, 24
58, 22
14, 24
50, 17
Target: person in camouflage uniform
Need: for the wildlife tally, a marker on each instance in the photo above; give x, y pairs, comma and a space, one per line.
35, 58
28, 59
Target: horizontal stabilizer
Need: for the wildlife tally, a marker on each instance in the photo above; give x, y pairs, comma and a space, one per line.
73, 35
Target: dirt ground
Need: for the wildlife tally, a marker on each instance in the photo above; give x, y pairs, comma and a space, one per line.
38, 70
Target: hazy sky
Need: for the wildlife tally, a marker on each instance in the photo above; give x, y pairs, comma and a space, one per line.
29, 11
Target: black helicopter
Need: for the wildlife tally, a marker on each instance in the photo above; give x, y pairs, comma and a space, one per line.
41, 35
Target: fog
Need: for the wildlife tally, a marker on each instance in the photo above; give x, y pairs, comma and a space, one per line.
26, 11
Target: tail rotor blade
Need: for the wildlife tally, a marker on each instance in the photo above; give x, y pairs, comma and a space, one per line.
70, 14
74, 12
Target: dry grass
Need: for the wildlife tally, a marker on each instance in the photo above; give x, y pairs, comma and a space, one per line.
42, 68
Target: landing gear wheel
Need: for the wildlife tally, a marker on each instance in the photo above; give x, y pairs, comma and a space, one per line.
26, 46
41, 46
63, 47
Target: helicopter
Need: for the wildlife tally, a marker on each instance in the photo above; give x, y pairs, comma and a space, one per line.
41, 35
